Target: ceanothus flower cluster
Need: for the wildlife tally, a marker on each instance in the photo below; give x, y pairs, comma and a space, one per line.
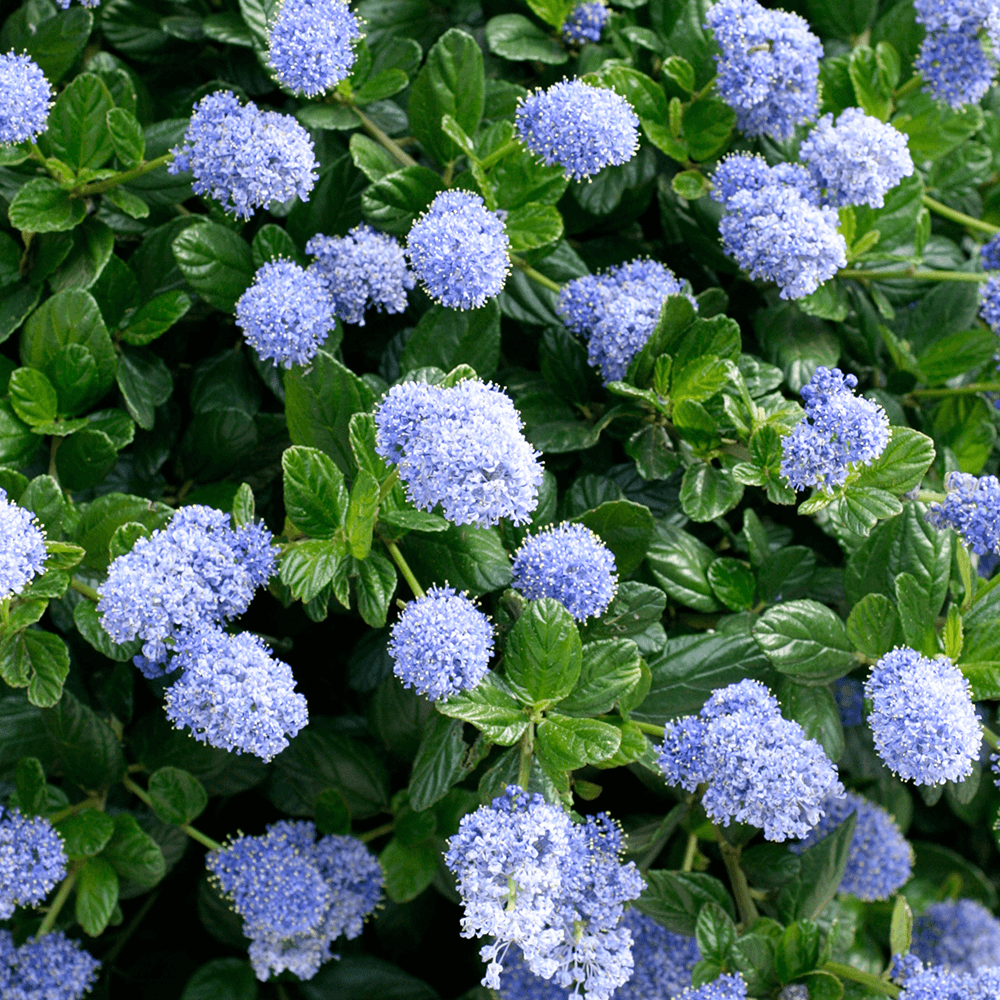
923, 720
243, 157
362, 269
23, 554
286, 313
52, 967
441, 644
196, 571
959, 935
32, 860
989, 253
768, 71
972, 507
570, 564
760, 767
25, 99
585, 22
529, 877
937, 983
459, 250
880, 860
297, 895
958, 56
233, 694
581, 128
309, 44
774, 226
856, 159
461, 447
838, 430
617, 311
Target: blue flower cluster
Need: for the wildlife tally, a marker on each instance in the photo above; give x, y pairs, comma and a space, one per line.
570, 564
768, 71
528, 876
775, 228
23, 554
25, 99
922, 718
461, 447
989, 253
972, 507
838, 430
233, 694
586, 22
581, 128
309, 44
459, 250
441, 644
989, 303
726, 987
850, 701
857, 159
53, 967
197, 571
32, 860
760, 767
297, 895
960, 935
936, 983
958, 54
880, 859
617, 311
243, 157
286, 314
364, 268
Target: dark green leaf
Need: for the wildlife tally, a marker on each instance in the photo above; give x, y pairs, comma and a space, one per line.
408, 869
470, 559
310, 565
679, 563
873, 626
438, 763
514, 37
902, 465
216, 262
88, 623
821, 869
90, 753
445, 338
532, 226
362, 512
127, 137
85, 458
36, 660
564, 743
333, 815
154, 318
675, 899
715, 931
86, 833
543, 656
96, 895
610, 668
57, 42
42, 206
805, 640
316, 499
625, 527
29, 780
815, 710
733, 583
491, 707
375, 585
77, 128
222, 978
178, 797
394, 202
708, 492
32, 396
92, 248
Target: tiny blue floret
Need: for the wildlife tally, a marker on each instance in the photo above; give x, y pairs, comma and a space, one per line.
459, 250
243, 157
32, 860
362, 269
581, 128
972, 507
53, 967
585, 22
570, 564
23, 554
923, 720
959, 935
286, 314
441, 644
309, 44
25, 99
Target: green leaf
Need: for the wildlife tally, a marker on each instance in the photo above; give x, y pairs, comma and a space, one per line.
903, 464
564, 743
310, 565
127, 137
543, 657
222, 978
491, 707
445, 338
805, 640
821, 867
514, 37
532, 226
362, 512
708, 127
451, 82
679, 564
78, 124
178, 797
86, 833
42, 206
56, 43
36, 660
32, 396
16, 302
873, 83
88, 623
373, 160
625, 527
145, 383
375, 584
438, 763
96, 895
333, 815
733, 582
152, 319
319, 402
708, 492
676, 316
815, 710
328, 116
381, 85
897, 219
675, 899
964, 425
873, 626
316, 500
901, 927
271, 242
393, 203
93, 245
216, 262
610, 668
797, 950
90, 752
690, 184
715, 931
29, 780
470, 559
956, 354
409, 869
84, 459
632, 611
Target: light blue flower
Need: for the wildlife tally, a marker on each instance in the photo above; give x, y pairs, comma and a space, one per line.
32, 860
23, 554
25, 99
310, 44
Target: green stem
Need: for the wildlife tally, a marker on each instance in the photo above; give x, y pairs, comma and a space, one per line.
527, 746
912, 274
741, 888
380, 831
192, 832
99, 187
991, 738
397, 151
82, 588
705, 91
929, 496
873, 983
649, 728
536, 276
58, 902
966, 220
397, 558
387, 484
689, 852
962, 390
499, 153
911, 85
88, 803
